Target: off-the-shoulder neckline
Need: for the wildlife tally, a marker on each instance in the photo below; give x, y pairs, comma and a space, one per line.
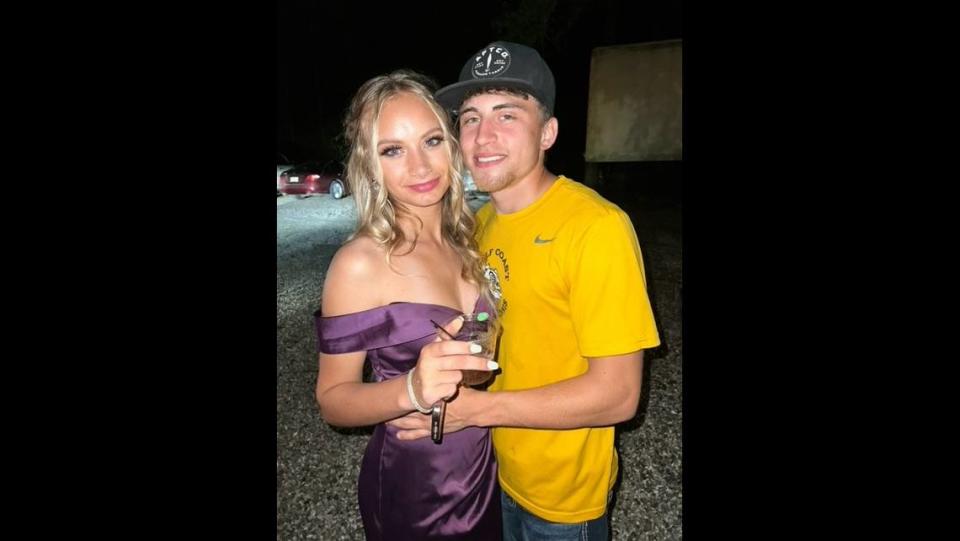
395, 303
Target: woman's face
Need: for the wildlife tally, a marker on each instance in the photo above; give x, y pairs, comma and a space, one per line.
412, 152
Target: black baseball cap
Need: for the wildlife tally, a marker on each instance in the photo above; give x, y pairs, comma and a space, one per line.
502, 64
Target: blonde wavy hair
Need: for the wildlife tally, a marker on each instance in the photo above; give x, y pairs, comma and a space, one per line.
377, 211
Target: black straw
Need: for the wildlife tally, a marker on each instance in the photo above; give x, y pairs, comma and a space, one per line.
440, 327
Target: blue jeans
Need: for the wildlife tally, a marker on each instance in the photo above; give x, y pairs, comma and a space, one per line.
521, 525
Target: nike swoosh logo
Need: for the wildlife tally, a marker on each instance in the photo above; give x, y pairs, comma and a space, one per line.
538, 240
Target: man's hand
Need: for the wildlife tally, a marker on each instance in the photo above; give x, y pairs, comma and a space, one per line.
414, 425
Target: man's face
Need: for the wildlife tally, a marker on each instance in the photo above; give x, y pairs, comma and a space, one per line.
502, 137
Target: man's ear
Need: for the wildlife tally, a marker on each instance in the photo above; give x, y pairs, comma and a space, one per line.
548, 134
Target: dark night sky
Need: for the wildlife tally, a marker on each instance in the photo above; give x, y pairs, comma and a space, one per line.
326, 50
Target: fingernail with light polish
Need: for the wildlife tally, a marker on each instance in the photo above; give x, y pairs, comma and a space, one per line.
475, 348
492, 365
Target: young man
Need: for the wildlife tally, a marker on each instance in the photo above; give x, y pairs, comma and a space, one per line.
572, 298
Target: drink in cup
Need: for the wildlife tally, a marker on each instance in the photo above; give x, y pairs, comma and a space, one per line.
477, 328
481, 329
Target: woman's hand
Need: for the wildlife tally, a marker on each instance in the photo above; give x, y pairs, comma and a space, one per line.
438, 371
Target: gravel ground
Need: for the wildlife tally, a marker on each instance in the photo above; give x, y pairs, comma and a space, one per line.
317, 465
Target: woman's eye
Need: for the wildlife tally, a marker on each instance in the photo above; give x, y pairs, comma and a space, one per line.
435, 141
390, 151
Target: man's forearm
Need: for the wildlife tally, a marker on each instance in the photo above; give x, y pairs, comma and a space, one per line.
605, 395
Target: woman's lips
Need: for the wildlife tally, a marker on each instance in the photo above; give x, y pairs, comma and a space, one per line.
426, 186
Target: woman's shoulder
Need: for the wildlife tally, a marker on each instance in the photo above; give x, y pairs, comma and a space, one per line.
352, 277
360, 256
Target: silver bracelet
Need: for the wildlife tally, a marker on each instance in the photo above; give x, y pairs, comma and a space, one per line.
412, 396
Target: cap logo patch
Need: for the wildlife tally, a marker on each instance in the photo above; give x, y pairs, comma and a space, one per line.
490, 62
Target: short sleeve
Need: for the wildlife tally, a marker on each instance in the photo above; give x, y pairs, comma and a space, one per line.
608, 293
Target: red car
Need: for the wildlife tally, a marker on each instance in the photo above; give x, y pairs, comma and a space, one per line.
312, 178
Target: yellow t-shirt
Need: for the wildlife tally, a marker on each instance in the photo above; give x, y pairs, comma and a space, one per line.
572, 286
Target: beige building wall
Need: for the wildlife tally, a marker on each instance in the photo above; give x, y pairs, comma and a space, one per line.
634, 110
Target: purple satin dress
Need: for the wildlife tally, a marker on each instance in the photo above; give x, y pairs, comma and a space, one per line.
414, 490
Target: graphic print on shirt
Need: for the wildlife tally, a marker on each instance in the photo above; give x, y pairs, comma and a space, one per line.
493, 270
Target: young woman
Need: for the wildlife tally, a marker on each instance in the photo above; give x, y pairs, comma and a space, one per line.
412, 262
